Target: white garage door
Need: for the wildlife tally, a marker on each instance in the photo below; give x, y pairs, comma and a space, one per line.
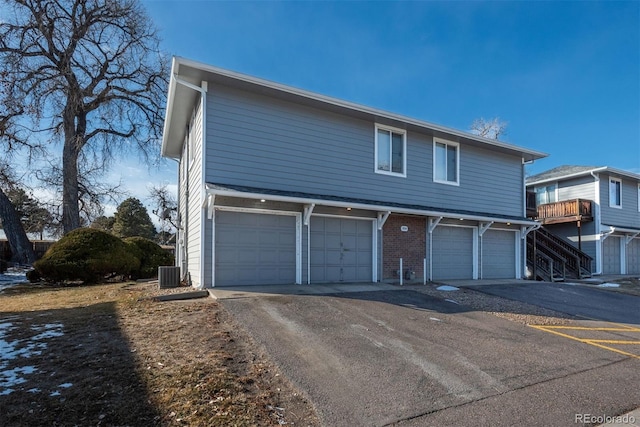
254, 249
633, 256
341, 250
498, 254
611, 255
452, 253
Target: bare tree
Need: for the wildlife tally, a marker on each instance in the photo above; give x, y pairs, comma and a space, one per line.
93, 190
166, 209
21, 249
492, 128
93, 76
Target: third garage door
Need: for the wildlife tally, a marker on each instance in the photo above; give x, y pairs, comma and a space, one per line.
341, 250
633, 256
611, 255
498, 254
452, 253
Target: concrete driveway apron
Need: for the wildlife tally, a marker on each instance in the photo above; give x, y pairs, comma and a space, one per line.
375, 358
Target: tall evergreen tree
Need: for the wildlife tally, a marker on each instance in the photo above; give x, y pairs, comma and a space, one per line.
132, 219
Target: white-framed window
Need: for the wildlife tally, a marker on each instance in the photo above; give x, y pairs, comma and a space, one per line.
547, 194
615, 193
446, 162
391, 151
191, 144
184, 161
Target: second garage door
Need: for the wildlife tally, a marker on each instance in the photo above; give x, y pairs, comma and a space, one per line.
341, 250
611, 255
498, 254
254, 249
633, 256
452, 253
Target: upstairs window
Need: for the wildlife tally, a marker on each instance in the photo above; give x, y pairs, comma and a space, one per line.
446, 162
546, 194
391, 151
615, 193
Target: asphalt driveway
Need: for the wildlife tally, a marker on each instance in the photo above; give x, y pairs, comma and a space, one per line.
387, 357
573, 299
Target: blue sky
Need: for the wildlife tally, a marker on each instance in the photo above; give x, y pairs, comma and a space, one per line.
565, 76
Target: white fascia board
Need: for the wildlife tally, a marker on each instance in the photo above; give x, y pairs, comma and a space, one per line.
568, 176
169, 110
615, 228
333, 203
624, 173
586, 172
355, 107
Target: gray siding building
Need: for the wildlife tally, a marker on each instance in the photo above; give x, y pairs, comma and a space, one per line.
281, 185
612, 238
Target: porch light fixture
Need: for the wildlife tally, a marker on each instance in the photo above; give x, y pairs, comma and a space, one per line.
348, 209
262, 200
508, 223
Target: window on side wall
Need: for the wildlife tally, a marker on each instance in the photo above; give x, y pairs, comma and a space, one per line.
184, 165
191, 145
446, 162
391, 151
546, 194
615, 193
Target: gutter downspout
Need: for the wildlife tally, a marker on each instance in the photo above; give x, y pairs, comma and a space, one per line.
598, 221
203, 105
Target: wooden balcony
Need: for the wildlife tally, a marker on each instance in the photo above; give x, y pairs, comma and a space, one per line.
565, 211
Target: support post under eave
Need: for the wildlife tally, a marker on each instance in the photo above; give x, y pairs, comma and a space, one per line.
211, 200
308, 210
382, 218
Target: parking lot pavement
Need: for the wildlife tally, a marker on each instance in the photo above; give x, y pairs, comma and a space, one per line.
572, 299
402, 357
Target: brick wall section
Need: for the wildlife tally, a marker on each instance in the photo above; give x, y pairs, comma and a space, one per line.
409, 245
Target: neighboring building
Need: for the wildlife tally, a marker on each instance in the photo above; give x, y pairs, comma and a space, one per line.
596, 209
280, 185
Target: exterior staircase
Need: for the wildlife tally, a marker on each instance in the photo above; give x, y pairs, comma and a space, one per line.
552, 259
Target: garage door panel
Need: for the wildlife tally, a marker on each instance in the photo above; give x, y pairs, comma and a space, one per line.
611, 255
341, 250
498, 254
255, 248
452, 253
633, 256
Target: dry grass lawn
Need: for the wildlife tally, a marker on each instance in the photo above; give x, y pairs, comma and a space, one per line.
105, 356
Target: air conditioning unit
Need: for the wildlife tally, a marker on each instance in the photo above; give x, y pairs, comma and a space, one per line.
168, 277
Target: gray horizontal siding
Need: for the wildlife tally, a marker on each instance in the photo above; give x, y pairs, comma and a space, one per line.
257, 141
628, 216
583, 187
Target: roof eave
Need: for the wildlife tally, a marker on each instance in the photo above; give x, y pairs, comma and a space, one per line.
526, 154
363, 206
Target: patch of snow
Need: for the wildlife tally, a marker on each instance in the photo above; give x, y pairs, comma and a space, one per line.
12, 278
34, 390
55, 393
11, 377
452, 301
570, 284
592, 279
447, 288
11, 350
608, 285
65, 385
435, 319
